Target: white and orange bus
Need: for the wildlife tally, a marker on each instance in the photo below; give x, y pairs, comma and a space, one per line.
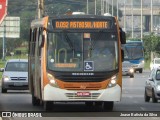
76, 58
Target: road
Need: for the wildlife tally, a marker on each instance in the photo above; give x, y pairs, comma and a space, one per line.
132, 100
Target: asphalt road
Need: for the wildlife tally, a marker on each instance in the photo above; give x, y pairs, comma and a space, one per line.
132, 102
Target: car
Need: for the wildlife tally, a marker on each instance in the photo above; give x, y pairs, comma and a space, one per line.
152, 86
15, 75
155, 63
127, 69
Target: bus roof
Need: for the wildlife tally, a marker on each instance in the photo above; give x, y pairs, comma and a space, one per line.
134, 40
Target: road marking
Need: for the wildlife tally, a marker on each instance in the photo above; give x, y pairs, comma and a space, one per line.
142, 108
0, 6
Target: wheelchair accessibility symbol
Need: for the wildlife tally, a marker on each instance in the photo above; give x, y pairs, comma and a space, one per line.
88, 66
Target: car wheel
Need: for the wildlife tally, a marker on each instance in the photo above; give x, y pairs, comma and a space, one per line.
146, 97
4, 90
108, 106
154, 99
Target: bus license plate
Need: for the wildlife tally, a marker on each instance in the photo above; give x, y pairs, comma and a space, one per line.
83, 94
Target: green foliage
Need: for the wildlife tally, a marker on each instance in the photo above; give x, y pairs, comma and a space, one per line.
151, 43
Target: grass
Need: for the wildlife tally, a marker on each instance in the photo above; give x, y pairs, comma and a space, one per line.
147, 64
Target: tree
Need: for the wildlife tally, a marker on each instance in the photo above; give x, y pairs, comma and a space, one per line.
151, 44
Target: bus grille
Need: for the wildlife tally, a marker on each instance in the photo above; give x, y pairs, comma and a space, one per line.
82, 79
74, 96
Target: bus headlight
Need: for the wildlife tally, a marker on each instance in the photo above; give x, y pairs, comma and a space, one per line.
113, 81
52, 81
131, 70
142, 61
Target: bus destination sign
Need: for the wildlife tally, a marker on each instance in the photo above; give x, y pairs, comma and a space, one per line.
81, 24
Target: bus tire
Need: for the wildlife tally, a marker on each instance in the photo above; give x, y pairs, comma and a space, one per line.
48, 105
35, 100
108, 105
141, 70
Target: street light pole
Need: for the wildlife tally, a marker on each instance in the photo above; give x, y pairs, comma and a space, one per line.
112, 7
95, 6
87, 7
151, 16
117, 10
124, 16
4, 39
132, 16
141, 19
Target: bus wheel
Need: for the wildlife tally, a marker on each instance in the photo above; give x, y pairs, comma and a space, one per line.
108, 105
48, 105
35, 100
141, 70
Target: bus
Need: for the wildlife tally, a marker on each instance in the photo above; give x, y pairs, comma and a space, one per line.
63, 65
134, 53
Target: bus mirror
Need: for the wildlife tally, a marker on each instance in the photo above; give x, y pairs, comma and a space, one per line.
122, 55
41, 40
122, 36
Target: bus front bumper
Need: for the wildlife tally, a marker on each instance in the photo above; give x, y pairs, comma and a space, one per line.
56, 94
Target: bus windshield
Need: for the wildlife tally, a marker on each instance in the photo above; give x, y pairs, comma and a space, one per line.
96, 51
133, 52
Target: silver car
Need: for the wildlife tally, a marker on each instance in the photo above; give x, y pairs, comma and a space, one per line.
15, 75
152, 86
127, 69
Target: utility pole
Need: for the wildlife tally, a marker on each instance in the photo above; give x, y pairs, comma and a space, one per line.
40, 8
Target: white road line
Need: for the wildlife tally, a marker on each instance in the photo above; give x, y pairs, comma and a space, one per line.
142, 108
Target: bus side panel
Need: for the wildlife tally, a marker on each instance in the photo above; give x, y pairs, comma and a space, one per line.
44, 79
119, 82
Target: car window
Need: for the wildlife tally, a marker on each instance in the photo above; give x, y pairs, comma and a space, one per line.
158, 75
17, 66
152, 73
157, 61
